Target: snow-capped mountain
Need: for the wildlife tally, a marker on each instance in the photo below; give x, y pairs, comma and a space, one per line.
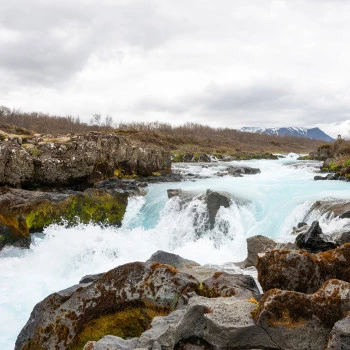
313, 133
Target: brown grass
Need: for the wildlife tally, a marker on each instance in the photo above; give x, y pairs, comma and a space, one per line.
190, 137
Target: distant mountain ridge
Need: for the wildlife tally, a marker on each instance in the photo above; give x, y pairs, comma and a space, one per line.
313, 133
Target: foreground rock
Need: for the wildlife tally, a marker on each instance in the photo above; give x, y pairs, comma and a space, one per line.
31, 161
124, 300
222, 323
314, 240
339, 338
302, 271
22, 211
302, 321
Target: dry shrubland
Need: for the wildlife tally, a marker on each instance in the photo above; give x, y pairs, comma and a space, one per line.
190, 137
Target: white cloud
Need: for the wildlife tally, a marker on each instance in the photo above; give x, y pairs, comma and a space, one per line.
227, 63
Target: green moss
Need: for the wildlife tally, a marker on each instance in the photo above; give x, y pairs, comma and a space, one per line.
130, 322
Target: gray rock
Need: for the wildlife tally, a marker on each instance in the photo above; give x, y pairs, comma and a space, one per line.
339, 339
111, 342
220, 322
175, 260
240, 170
214, 201
343, 238
174, 193
319, 177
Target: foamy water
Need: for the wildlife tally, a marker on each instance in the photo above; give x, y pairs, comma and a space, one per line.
270, 203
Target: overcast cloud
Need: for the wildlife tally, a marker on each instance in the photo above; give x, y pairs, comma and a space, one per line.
225, 63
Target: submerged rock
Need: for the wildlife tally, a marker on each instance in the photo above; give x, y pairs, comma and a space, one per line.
302, 271
242, 170
313, 240
214, 201
303, 321
339, 339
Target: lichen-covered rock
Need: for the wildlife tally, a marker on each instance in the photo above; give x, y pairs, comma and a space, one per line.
76, 159
22, 211
314, 240
222, 323
297, 321
339, 339
122, 302
302, 271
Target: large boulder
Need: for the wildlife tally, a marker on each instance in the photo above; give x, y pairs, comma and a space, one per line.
214, 201
303, 321
22, 211
222, 323
121, 302
314, 240
302, 271
76, 159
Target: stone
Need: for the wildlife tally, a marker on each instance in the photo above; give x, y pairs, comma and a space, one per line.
240, 170
76, 159
23, 211
319, 177
303, 321
302, 271
313, 240
111, 342
123, 300
222, 323
343, 238
174, 260
223, 284
214, 201
260, 244
90, 278
339, 338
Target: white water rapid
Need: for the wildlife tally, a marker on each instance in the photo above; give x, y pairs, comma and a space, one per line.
270, 203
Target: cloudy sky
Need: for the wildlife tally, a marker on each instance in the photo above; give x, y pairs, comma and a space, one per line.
225, 63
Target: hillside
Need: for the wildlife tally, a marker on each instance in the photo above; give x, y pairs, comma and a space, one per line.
189, 139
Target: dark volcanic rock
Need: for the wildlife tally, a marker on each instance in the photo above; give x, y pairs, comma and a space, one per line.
303, 321
319, 177
302, 271
214, 201
140, 290
313, 240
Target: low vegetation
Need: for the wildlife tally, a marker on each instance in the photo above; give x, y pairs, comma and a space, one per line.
188, 140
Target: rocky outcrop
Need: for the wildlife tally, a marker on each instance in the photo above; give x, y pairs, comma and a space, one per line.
303, 321
33, 161
336, 208
174, 260
22, 211
123, 301
314, 240
302, 271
